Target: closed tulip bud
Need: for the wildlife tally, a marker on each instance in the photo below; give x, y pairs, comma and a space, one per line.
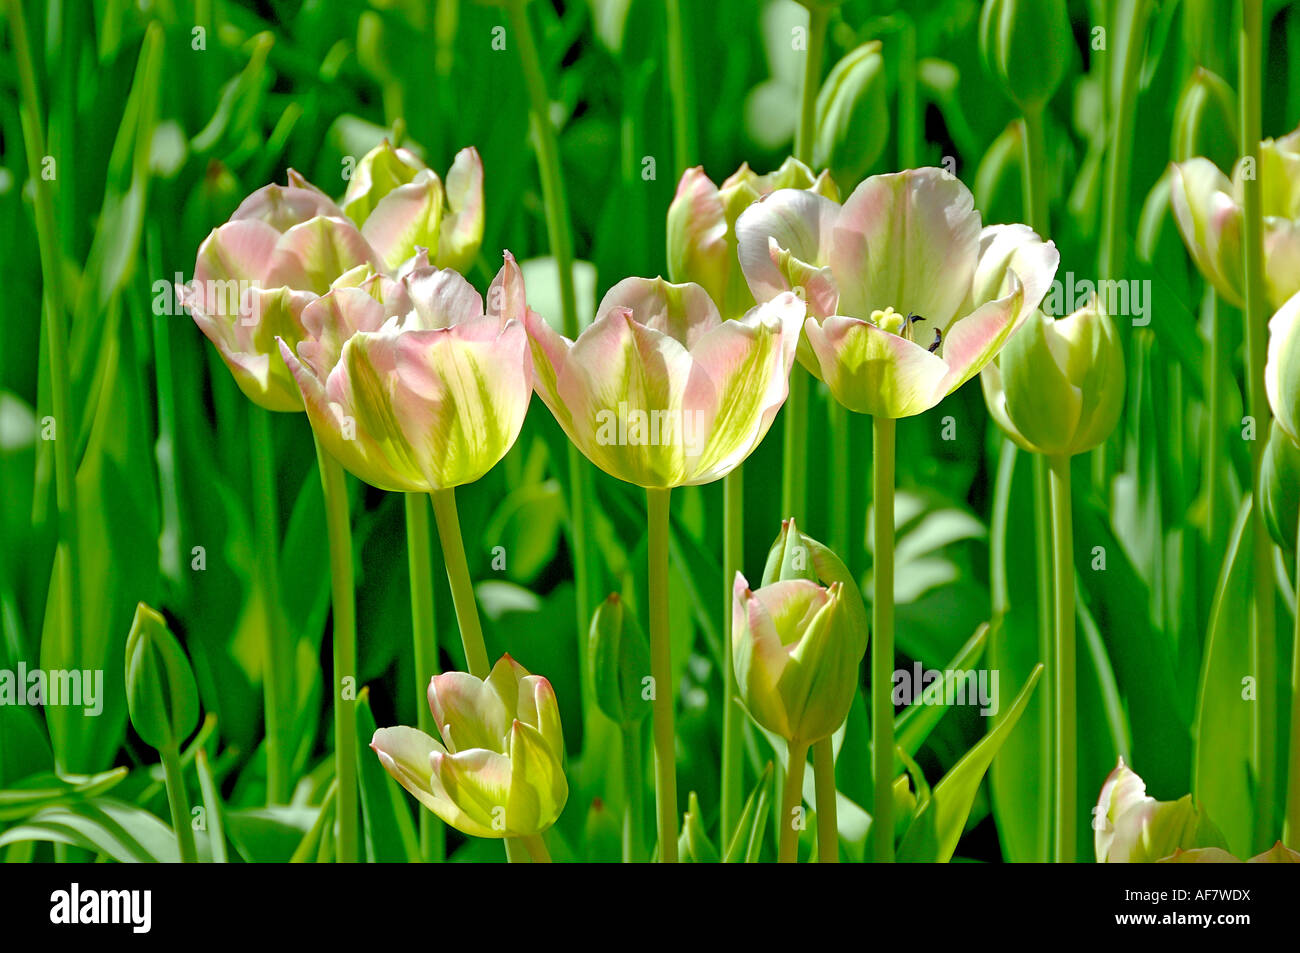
1057, 388
702, 227
161, 694
1280, 487
401, 205
619, 659
498, 770
796, 651
1282, 371
1205, 120
852, 116
1027, 45
425, 390
1131, 828
796, 555
1208, 209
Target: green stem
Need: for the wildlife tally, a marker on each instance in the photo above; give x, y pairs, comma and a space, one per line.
343, 592
882, 640
661, 669
179, 803
828, 832
1291, 830
462, 589
1066, 780
841, 465
276, 689
733, 557
1215, 508
812, 78
536, 848
1255, 316
424, 640
679, 88
791, 800
67, 561
1046, 646
633, 793
560, 237
1035, 179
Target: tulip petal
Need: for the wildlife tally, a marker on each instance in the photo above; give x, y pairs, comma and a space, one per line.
1047, 403
973, 341
283, 207
683, 312
311, 255
784, 242
1013, 250
698, 249
440, 298
1282, 370
538, 788
759, 658
406, 218
469, 712
1282, 259
908, 240
1210, 222
871, 371
477, 782
405, 753
462, 230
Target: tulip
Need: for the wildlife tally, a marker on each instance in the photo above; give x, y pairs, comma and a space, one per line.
498, 770
1279, 490
1205, 120
852, 115
1282, 371
1027, 46
702, 227
1130, 827
1277, 854
1208, 209
659, 391
421, 391
255, 274
1057, 388
796, 652
401, 205
908, 298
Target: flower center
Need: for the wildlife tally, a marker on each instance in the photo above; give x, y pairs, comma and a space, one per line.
904, 326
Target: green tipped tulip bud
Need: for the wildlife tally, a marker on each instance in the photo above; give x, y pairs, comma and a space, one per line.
796, 555
796, 650
1131, 828
1280, 488
1205, 121
1057, 388
1027, 45
161, 694
619, 659
852, 116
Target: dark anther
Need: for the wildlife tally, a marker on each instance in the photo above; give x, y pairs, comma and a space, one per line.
938, 336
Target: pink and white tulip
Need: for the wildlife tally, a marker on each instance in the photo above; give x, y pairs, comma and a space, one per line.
498, 770
411, 383
659, 391
908, 296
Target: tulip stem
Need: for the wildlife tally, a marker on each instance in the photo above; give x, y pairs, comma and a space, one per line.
560, 237
462, 589
633, 793
424, 641
791, 803
818, 17
179, 802
1046, 645
882, 640
661, 669
794, 447
683, 127
276, 690
1256, 321
66, 558
1066, 784
1291, 829
828, 831
733, 555
537, 848
343, 593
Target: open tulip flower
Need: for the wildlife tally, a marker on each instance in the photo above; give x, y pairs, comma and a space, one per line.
659, 391
702, 226
401, 205
908, 297
255, 274
498, 770
1208, 209
1282, 372
410, 382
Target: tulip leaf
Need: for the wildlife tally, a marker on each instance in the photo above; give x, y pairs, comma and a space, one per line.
939, 824
122, 832
914, 725
747, 841
1222, 772
39, 790
270, 834
694, 845
389, 831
